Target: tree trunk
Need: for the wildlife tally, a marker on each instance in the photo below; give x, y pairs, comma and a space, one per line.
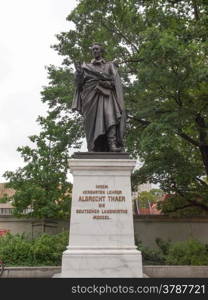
204, 153
203, 140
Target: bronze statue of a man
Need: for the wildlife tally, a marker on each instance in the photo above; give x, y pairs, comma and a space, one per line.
99, 98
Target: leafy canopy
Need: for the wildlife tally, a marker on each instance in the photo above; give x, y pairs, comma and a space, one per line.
161, 48
41, 185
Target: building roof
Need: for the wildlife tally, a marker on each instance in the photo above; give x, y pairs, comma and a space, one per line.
6, 205
6, 191
152, 210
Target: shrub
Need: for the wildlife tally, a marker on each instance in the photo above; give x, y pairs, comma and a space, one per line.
190, 252
47, 249
151, 256
15, 249
18, 250
164, 246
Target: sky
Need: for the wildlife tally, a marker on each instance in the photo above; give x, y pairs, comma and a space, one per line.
28, 29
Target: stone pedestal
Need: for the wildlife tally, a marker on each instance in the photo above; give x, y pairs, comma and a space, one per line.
101, 240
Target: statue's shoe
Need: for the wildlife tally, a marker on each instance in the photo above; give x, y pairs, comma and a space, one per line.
114, 148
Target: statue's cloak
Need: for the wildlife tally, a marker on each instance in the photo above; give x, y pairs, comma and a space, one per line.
99, 98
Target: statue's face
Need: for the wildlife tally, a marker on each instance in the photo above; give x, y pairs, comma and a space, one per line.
96, 51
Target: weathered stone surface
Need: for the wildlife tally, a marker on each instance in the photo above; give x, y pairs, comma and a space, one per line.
101, 242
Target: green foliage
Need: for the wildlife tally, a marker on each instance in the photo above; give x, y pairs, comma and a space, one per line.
148, 198
46, 250
189, 252
193, 204
4, 199
164, 246
161, 49
41, 184
151, 256
15, 249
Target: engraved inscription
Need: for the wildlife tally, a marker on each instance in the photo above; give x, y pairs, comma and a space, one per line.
103, 195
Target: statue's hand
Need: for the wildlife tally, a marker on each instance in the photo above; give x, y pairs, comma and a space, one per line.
106, 84
78, 67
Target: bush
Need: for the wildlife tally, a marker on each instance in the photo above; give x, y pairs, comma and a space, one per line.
47, 249
15, 249
190, 252
18, 250
151, 256
164, 246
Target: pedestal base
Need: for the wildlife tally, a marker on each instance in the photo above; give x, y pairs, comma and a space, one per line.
101, 239
101, 263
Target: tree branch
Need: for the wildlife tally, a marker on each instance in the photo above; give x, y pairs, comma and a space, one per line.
187, 138
203, 143
130, 61
196, 10
118, 32
178, 98
141, 121
202, 182
192, 204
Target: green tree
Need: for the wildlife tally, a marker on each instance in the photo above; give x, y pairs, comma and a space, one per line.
161, 48
4, 199
146, 199
41, 184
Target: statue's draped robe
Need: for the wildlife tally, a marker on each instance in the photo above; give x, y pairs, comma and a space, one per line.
99, 98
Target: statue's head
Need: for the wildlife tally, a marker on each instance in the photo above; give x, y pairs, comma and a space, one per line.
97, 50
